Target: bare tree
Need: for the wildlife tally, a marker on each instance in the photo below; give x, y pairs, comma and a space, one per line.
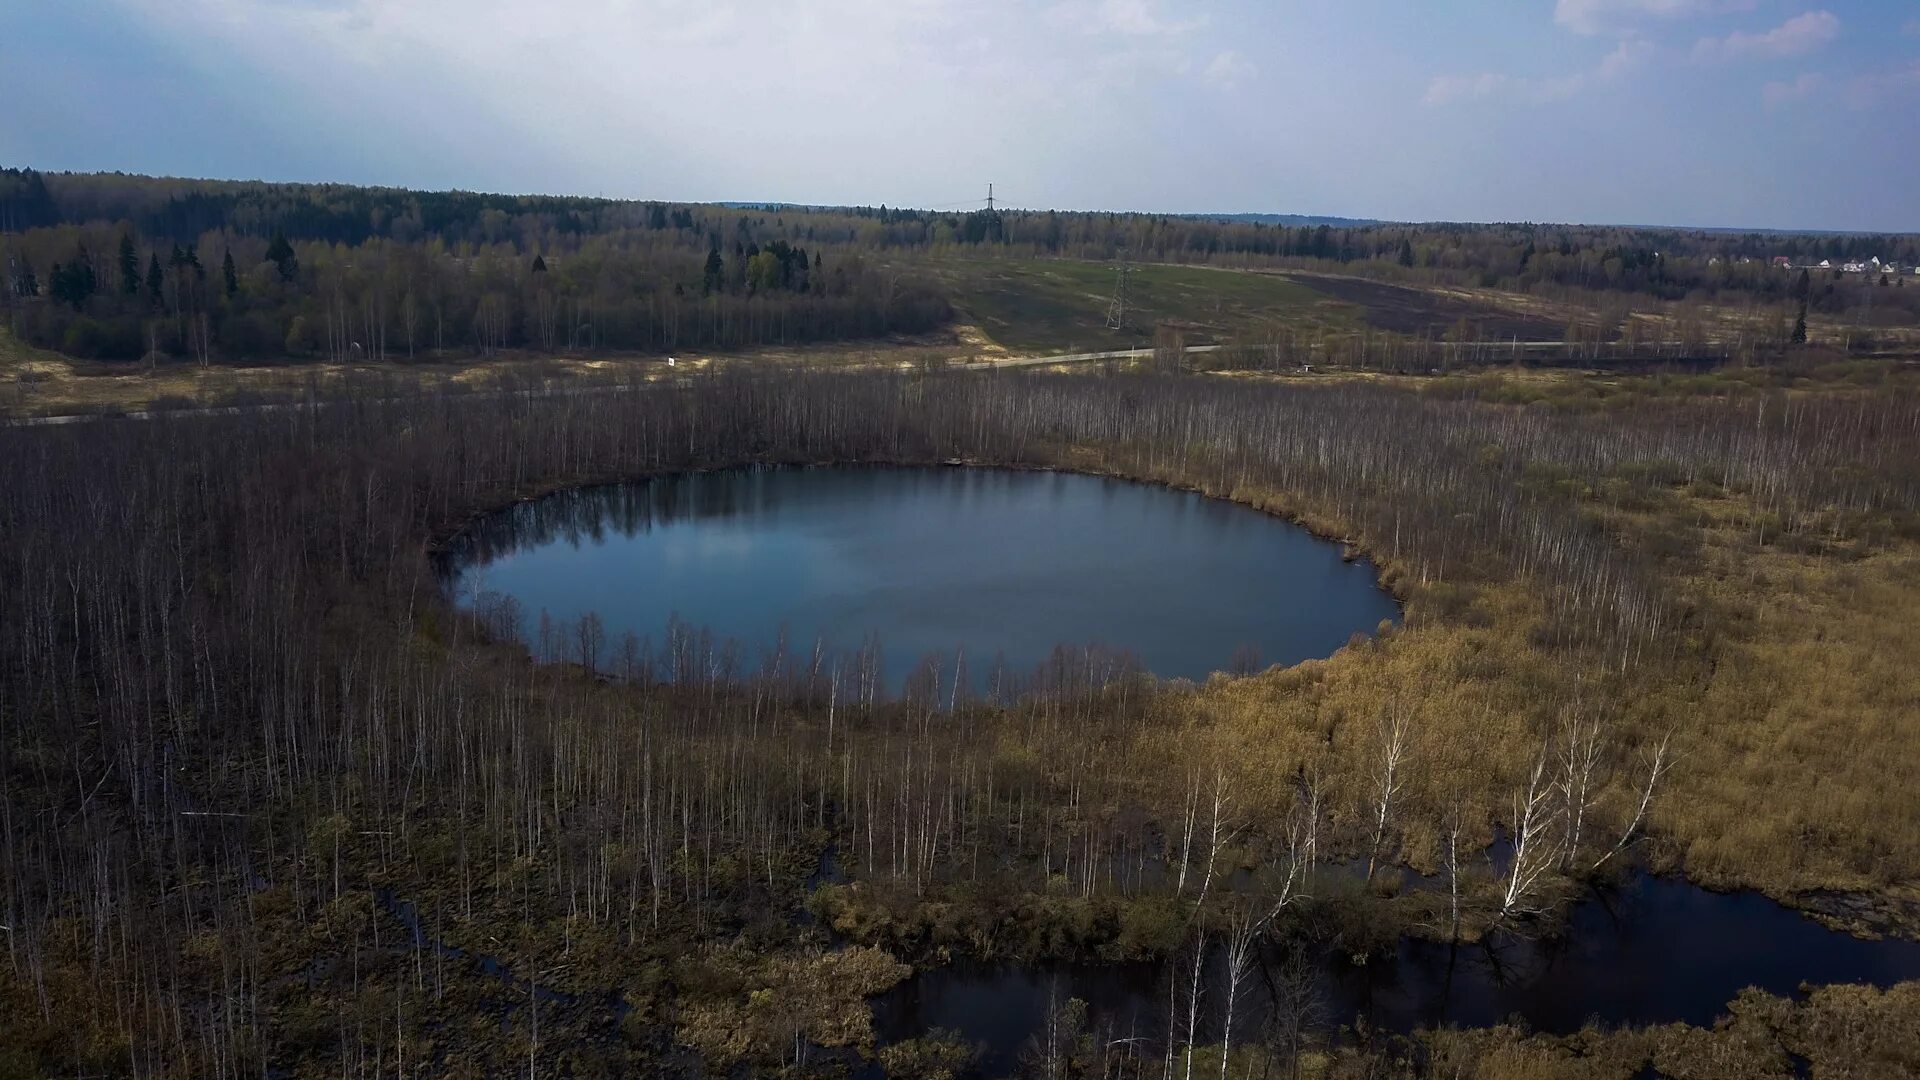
1453, 825
1296, 1007
1223, 828
1658, 762
1243, 937
1581, 753
1535, 853
1390, 778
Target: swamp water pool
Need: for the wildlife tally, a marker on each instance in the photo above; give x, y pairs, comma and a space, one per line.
1654, 950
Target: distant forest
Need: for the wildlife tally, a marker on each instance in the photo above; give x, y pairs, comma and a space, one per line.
119, 267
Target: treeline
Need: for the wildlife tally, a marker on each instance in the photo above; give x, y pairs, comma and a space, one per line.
1669, 264
242, 727
109, 292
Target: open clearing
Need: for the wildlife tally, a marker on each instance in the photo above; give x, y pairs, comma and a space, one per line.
1418, 312
1060, 305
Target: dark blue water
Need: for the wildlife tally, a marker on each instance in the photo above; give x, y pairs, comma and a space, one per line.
992, 568
1654, 951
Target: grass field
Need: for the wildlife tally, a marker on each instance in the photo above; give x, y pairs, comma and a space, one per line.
1059, 305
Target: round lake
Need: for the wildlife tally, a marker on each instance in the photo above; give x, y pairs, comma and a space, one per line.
995, 567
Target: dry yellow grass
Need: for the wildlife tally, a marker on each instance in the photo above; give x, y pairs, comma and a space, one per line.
1796, 715
1807, 738
36, 382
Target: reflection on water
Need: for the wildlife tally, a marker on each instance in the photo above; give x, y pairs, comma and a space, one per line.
1656, 950
928, 570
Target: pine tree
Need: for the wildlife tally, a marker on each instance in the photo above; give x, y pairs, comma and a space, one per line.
129, 265
1800, 326
155, 277
280, 253
72, 283
229, 275
539, 264
715, 276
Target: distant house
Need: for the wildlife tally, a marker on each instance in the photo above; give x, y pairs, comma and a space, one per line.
1783, 262
1854, 268
1826, 264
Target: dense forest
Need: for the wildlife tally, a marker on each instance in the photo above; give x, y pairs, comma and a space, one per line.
120, 267
269, 798
239, 277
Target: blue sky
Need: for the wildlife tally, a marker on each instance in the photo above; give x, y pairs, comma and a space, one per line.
1774, 113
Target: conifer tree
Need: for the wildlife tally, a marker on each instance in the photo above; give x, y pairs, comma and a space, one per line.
280, 253
129, 265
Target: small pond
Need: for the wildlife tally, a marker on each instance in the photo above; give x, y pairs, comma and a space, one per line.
987, 570
1656, 950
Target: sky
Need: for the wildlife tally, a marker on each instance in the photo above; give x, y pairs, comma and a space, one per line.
1726, 113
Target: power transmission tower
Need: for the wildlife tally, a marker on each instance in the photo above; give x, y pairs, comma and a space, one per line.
989, 198
1117, 309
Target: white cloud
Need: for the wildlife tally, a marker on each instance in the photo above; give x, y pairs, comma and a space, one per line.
1797, 36
1614, 16
1122, 18
1447, 89
1869, 90
1229, 69
1139, 17
709, 98
1626, 57
1781, 91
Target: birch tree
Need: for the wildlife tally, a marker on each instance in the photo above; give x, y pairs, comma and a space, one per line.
1389, 778
1535, 848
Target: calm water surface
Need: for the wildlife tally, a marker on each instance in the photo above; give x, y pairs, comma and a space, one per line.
994, 566
1657, 950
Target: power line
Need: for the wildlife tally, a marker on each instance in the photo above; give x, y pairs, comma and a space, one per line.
1117, 308
991, 202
